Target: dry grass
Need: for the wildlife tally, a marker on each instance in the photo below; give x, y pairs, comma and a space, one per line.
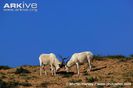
105, 70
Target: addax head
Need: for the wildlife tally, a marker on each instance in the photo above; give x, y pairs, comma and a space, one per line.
63, 61
66, 68
57, 68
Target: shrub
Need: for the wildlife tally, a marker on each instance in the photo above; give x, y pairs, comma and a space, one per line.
26, 65
112, 81
45, 84
2, 75
69, 87
99, 86
131, 55
98, 57
12, 84
67, 75
25, 76
115, 56
12, 76
90, 79
21, 70
25, 84
129, 74
2, 84
85, 73
75, 81
119, 86
4, 67
72, 86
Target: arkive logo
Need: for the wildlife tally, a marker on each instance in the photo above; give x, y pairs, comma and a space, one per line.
22, 6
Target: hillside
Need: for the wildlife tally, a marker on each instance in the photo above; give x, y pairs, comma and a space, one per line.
104, 71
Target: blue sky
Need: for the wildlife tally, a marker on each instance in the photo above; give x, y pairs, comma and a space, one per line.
64, 27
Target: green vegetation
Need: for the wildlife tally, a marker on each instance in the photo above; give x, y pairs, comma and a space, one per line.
115, 56
44, 84
131, 56
100, 57
25, 76
12, 76
119, 86
79, 86
85, 73
67, 75
99, 86
4, 67
112, 81
2, 75
2, 84
75, 80
128, 76
90, 79
25, 84
21, 70
13, 84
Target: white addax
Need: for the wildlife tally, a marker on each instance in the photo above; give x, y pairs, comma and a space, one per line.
49, 59
79, 58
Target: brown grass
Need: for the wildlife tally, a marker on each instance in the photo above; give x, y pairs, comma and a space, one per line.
105, 70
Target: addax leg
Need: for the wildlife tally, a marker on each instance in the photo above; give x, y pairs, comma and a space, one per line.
40, 70
52, 69
89, 62
45, 70
77, 67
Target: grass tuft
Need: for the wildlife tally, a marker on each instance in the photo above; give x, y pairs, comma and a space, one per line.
99, 86
44, 84
4, 67
21, 70
25, 84
75, 80
90, 79
85, 73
